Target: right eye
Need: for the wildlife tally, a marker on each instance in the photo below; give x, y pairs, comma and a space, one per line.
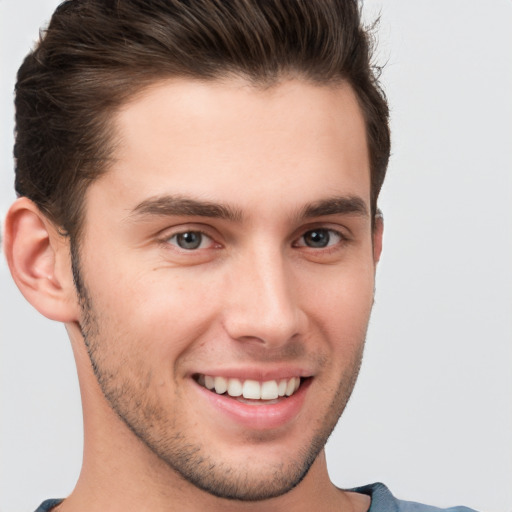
190, 240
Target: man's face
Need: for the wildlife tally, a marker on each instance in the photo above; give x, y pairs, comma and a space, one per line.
230, 244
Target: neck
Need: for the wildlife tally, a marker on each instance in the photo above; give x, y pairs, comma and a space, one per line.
122, 483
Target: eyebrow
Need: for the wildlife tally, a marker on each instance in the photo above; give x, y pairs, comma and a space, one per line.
177, 205
169, 205
337, 205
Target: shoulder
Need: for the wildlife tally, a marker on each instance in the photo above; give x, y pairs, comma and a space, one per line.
384, 501
47, 505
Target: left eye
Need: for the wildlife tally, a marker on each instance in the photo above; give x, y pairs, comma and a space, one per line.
319, 238
190, 240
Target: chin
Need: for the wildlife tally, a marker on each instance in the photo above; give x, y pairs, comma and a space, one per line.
247, 483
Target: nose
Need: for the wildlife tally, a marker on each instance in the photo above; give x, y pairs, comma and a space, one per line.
264, 302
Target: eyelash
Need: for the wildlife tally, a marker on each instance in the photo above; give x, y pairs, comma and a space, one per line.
300, 242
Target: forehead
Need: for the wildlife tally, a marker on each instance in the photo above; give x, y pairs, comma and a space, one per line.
231, 141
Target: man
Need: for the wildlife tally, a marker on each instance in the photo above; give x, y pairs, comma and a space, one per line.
198, 204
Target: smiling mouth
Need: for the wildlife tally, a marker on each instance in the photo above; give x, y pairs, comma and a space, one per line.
250, 390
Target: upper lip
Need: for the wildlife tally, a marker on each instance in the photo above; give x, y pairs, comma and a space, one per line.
257, 374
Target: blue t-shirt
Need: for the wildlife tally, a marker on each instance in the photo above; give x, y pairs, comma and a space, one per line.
382, 501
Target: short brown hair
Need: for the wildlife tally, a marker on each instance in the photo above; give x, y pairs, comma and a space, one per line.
96, 54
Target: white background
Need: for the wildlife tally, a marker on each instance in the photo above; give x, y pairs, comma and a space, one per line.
432, 413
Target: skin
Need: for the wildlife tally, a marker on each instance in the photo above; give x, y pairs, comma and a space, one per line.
255, 297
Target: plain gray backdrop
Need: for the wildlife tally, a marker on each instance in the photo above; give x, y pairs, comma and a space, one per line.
431, 415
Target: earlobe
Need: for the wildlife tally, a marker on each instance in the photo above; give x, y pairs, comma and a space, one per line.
378, 231
35, 252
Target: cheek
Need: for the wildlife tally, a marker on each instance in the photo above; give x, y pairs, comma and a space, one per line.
158, 312
341, 288
341, 306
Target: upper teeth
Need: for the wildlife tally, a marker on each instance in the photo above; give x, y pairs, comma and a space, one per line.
267, 390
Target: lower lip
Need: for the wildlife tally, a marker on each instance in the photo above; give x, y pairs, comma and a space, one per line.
258, 416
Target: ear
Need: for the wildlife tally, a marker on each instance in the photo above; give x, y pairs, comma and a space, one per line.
39, 260
378, 231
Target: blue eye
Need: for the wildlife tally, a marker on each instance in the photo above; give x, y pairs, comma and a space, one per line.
190, 240
320, 238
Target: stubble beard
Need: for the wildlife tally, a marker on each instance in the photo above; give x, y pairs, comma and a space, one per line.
156, 427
